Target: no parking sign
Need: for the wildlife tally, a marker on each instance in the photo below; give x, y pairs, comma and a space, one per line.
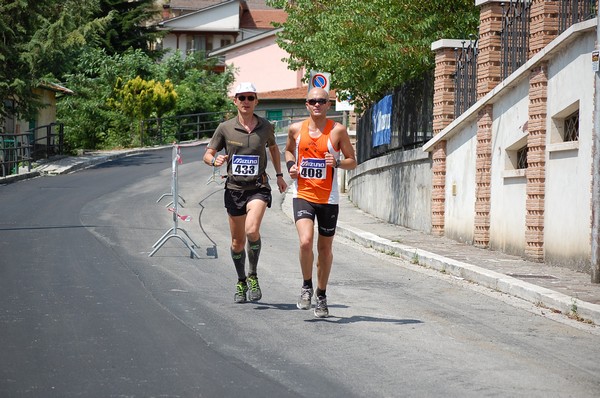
319, 80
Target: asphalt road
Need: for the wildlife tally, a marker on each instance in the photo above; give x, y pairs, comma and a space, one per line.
84, 310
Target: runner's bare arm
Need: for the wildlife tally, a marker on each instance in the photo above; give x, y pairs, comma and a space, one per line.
276, 159
349, 160
212, 159
290, 150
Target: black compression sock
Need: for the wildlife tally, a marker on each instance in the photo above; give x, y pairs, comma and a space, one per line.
239, 260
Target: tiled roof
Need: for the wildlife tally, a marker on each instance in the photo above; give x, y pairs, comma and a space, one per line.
261, 19
298, 93
193, 4
199, 4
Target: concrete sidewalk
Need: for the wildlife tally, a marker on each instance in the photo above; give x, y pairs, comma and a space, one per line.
555, 288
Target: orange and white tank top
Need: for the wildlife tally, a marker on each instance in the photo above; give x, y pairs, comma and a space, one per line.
316, 182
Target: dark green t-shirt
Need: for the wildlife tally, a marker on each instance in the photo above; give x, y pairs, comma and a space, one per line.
247, 163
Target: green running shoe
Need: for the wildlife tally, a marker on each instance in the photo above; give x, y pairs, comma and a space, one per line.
254, 293
240, 292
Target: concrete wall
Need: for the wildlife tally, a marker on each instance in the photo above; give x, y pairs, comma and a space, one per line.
567, 227
461, 184
567, 167
395, 188
509, 185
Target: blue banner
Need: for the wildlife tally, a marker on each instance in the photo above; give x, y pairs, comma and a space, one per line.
382, 117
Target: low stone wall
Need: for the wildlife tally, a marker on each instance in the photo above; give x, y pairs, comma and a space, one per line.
395, 188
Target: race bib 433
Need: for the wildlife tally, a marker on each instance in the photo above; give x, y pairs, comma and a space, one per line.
245, 165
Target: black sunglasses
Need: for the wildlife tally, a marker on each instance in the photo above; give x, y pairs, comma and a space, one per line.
320, 101
243, 97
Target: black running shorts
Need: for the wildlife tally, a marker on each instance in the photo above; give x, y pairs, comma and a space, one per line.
236, 200
326, 215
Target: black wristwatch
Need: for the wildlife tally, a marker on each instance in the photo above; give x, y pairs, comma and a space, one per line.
337, 163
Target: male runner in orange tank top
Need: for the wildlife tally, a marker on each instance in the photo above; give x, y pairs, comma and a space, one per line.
312, 156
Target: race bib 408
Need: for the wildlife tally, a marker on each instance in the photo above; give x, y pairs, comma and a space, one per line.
313, 168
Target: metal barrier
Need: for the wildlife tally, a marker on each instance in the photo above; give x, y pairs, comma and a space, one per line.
173, 232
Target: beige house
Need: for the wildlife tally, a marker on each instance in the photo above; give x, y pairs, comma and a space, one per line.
46, 93
205, 26
22, 140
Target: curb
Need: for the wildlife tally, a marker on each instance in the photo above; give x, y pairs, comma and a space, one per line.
537, 295
71, 164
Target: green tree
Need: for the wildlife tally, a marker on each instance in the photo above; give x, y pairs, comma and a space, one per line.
140, 99
370, 47
90, 121
199, 88
131, 26
39, 39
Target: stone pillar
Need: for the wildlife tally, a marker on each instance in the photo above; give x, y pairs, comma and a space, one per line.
438, 192
543, 24
481, 237
536, 163
443, 95
489, 47
489, 75
443, 115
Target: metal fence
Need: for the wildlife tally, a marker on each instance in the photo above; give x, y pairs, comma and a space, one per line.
515, 44
514, 36
411, 122
21, 150
202, 125
465, 77
574, 11
179, 128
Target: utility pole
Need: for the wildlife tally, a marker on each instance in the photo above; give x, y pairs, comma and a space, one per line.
595, 259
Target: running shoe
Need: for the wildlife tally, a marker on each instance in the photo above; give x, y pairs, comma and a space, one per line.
321, 310
241, 288
305, 298
254, 293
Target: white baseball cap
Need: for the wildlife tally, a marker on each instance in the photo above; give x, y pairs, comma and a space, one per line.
245, 87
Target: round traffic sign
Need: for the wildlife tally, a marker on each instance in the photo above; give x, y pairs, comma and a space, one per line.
319, 80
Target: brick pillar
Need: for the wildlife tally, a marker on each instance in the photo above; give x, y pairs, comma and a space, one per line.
536, 163
543, 25
438, 192
488, 76
443, 95
489, 47
483, 177
443, 115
